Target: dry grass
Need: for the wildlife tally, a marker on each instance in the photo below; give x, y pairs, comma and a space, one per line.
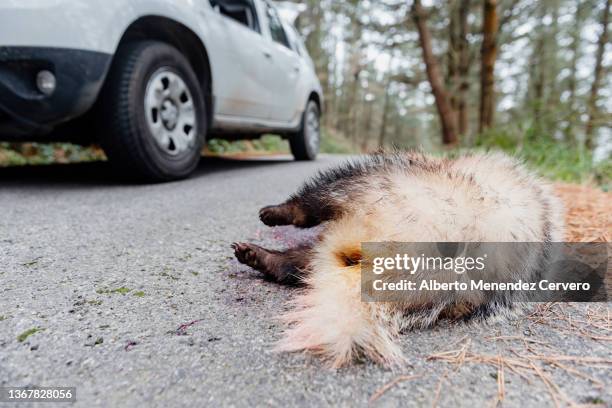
595, 322
588, 213
528, 363
402, 378
531, 359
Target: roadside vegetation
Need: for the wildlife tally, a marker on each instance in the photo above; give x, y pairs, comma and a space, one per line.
28, 154
553, 159
527, 77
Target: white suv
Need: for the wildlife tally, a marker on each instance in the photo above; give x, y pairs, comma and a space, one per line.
150, 80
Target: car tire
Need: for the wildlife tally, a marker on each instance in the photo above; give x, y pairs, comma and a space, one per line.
152, 113
305, 143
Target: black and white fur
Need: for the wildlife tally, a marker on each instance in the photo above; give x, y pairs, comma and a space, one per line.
402, 197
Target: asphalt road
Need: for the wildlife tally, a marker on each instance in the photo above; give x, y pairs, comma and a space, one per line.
139, 302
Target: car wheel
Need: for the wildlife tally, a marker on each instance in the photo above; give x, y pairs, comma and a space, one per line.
306, 142
152, 113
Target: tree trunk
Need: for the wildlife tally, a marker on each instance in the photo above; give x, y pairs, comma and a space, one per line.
487, 72
452, 63
553, 94
464, 68
575, 48
537, 66
330, 101
572, 82
367, 126
314, 41
354, 70
445, 111
349, 124
383, 125
601, 46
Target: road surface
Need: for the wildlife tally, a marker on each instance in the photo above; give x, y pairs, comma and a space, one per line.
130, 293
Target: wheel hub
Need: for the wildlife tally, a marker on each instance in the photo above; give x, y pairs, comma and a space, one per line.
170, 112
313, 130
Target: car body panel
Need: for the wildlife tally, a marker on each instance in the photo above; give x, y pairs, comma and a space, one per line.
240, 55
93, 25
250, 91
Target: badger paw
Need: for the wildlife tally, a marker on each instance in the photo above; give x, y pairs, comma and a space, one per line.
251, 255
275, 215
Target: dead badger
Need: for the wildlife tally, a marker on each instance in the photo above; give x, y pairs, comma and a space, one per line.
401, 197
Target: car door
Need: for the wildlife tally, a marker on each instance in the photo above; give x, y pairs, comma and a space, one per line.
240, 76
285, 67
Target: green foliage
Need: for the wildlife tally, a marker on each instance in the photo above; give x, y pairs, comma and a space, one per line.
271, 143
9, 157
265, 144
501, 139
603, 174
220, 146
555, 159
24, 336
331, 142
334, 143
122, 290
22, 154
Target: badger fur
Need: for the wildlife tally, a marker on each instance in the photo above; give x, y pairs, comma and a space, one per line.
401, 197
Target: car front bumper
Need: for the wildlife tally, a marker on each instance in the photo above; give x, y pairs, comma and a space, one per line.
24, 109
